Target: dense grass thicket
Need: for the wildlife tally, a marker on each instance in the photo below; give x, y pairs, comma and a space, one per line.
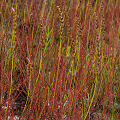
60, 59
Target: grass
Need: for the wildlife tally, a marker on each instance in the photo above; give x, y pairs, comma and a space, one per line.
60, 59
